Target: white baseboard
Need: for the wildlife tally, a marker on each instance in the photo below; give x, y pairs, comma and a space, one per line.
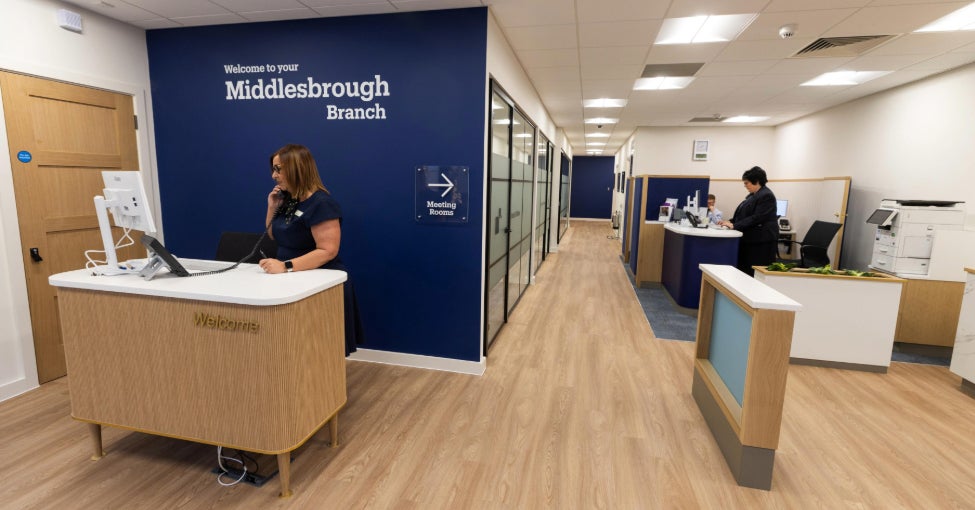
13, 388
590, 219
420, 361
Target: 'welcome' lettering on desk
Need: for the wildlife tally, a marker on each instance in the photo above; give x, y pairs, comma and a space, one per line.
205, 320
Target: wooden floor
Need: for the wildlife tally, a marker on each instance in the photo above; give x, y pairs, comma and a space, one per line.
580, 408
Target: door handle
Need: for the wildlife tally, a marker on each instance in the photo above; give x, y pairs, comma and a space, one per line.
35, 255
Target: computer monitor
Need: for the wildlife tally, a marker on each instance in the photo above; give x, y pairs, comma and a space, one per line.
125, 196
781, 208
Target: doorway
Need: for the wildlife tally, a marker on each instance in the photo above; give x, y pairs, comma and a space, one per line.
61, 137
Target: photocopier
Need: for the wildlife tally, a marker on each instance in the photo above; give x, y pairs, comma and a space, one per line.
906, 230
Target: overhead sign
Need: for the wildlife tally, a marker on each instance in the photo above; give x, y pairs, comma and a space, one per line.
442, 194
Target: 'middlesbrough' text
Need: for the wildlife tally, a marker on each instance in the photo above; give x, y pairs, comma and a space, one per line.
280, 88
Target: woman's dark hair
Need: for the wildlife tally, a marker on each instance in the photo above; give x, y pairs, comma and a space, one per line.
755, 175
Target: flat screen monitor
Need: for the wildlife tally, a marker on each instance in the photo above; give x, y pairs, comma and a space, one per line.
882, 217
125, 197
782, 208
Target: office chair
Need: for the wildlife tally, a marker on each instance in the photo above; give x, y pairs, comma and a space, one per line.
234, 246
812, 248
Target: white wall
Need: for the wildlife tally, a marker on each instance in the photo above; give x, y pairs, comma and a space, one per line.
108, 55
733, 149
913, 142
506, 69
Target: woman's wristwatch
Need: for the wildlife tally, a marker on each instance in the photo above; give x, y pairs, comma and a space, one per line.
289, 266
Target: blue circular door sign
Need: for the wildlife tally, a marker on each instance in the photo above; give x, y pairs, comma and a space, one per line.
24, 156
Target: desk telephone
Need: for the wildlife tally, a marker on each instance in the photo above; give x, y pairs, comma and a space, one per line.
784, 225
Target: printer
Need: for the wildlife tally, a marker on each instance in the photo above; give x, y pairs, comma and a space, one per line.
905, 232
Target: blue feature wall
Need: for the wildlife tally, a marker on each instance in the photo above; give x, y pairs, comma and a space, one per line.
418, 284
592, 187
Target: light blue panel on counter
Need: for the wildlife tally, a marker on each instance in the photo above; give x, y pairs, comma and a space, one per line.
731, 329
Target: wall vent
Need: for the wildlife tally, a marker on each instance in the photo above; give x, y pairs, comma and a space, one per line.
842, 46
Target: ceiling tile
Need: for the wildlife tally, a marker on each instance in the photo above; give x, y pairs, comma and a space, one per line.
549, 58
619, 33
564, 73
613, 55
121, 11
355, 10
280, 15
593, 11
891, 20
808, 66
682, 8
883, 62
180, 8
736, 68
259, 5
943, 62
611, 72
678, 53
803, 5
808, 23
925, 43
763, 49
542, 37
518, 13
215, 19
593, 89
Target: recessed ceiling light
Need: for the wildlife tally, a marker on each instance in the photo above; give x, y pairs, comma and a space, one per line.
601, 120
595, 144
604, 103
662, 83
843, 78
594, 152
745, 119
962, 19
703, 29
597, 135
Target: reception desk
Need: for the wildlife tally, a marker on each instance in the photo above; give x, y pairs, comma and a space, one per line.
963, 355
240, 359
686, 248
744, 331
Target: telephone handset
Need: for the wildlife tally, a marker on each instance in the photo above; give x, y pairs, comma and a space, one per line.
288, 203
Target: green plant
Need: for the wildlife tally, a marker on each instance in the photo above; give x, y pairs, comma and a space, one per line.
822, 270
779, 266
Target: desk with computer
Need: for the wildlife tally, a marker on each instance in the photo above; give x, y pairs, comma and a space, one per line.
217, 359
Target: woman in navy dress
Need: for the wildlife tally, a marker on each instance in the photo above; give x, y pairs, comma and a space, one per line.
306, 223
756, 220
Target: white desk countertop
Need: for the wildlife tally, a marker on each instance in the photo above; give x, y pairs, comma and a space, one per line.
753, 292
247, 284
702, 232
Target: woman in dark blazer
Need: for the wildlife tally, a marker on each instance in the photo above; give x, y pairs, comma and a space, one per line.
756, 220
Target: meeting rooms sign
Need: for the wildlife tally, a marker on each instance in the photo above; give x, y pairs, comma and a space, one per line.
271, 81
442, 194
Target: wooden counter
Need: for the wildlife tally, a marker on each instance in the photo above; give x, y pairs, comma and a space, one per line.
177, 357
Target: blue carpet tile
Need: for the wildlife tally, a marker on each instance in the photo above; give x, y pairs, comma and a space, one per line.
668, 320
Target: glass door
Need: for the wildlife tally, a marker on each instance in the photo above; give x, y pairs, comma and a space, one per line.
522, 178
541, 208
497, 215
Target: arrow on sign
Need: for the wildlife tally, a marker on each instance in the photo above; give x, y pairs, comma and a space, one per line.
449, 185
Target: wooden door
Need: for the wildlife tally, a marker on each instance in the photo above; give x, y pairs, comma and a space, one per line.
72, 133
832, 207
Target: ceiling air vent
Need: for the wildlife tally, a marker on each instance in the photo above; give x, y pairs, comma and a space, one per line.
842, 46
713, 118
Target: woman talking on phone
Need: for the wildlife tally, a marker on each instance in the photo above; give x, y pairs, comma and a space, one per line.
306, 223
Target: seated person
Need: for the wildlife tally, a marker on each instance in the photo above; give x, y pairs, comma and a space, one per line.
714, 215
